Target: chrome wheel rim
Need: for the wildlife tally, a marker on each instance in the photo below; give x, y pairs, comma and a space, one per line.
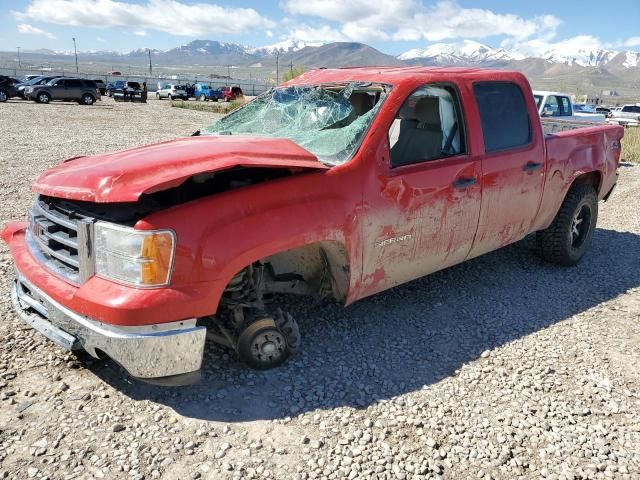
44, 98
3, 97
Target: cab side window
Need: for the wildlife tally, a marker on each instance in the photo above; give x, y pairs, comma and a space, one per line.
427, 127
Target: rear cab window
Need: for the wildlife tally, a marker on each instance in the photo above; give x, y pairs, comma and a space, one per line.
503, 115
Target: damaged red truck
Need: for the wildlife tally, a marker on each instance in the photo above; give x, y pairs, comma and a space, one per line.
340, 183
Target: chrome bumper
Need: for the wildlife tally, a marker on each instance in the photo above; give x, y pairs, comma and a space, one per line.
146, 352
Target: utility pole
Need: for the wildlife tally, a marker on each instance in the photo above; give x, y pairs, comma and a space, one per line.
229, 71
19, 62
277, 68
150, 68
291, 68
75, 51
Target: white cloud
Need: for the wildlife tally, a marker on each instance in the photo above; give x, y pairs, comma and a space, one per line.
413, 20
31, 30
140, 33
632, 42
268, 33
316, 34
101, 40
170, 16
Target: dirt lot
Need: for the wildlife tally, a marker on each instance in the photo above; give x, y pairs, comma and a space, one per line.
503, 367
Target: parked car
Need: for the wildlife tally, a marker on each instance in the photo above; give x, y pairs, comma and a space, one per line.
559, 105
204, 92
26, 78
39, 80
122, 86
170, 91
80, 90
304, 190
7, 88
606, 111
115, 73
190, 89
231, 93
627, 116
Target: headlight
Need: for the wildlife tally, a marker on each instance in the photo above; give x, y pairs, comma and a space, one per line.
142, 258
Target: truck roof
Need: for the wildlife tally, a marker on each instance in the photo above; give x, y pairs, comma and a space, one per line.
547, 92
396, 75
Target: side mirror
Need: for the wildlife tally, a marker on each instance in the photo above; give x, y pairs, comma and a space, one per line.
547, 112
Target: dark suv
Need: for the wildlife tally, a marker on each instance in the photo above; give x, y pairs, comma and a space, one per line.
85, 92
7, 88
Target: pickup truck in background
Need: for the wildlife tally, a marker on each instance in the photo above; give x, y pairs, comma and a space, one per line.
559, 105
341, 183
627, 116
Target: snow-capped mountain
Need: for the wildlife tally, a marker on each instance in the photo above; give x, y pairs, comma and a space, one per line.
285, 46
582, 58
469, 53
466, 52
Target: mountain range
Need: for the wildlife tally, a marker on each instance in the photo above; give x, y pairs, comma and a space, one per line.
315, 54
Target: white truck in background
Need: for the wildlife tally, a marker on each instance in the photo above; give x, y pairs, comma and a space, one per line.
559, 105
627, 115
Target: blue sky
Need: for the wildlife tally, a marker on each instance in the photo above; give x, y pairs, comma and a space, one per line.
394, 26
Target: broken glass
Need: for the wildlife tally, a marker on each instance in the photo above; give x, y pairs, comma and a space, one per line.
328, 121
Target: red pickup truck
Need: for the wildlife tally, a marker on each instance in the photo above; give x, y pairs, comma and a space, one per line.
340, 183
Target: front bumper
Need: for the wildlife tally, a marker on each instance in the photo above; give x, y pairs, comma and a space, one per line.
146, 352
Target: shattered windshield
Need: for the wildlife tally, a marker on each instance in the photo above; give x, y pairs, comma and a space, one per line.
328, 120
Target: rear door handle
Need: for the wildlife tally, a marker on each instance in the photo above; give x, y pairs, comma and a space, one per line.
464, 182
531, 166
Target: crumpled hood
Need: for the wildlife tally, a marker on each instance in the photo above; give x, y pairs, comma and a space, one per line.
125, 175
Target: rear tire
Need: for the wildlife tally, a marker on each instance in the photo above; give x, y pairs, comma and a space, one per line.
568, 237
87, 99
43, 97
202, 97
4, 96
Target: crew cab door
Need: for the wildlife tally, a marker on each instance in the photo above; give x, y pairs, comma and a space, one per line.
513, 165
423, 197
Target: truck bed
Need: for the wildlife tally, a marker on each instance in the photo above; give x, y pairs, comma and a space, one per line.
554, 125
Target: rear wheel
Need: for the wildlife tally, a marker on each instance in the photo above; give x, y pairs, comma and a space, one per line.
568, 237
3, 96
87, 99
202, 97
43, 97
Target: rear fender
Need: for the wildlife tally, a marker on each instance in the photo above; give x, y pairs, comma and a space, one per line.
585, 165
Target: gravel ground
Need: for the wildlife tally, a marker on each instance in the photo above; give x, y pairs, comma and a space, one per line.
503, 367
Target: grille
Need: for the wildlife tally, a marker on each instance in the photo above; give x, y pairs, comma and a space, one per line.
61, 239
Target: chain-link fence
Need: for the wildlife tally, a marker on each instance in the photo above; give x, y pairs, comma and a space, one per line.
248, 87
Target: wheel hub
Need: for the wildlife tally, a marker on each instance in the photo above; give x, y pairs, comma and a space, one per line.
268, 346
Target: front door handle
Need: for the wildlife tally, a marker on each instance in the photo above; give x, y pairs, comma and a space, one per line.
531, 166
464, 182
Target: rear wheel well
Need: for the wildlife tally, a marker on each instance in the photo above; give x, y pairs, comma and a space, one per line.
590, 178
